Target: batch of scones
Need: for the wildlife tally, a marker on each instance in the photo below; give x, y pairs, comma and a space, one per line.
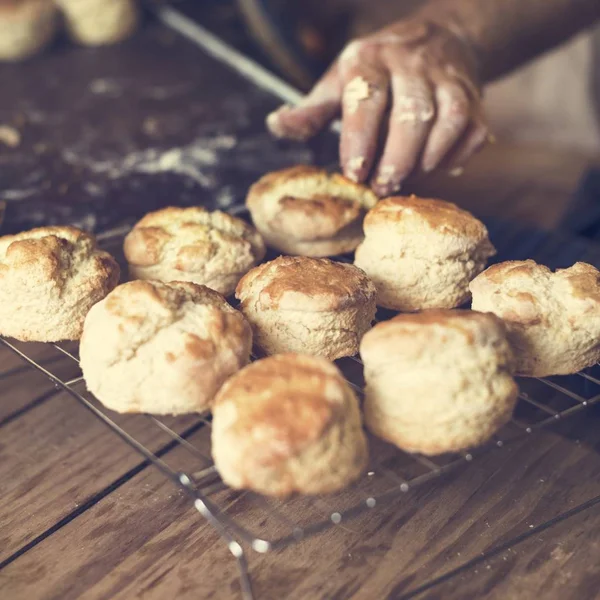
28, 26
438, 378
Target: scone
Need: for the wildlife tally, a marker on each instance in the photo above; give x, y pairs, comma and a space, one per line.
422, 253
553, 319
99, 22
307, 305
193, 244
162, 348
49, 279
288, 424
26, 26
307, 211
438, 381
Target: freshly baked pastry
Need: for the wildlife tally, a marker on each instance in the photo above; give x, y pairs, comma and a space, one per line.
288, 423
308, 305
26, 26
553, 319
49, 279
307, 211
162, 348
422, 253
99, 22
438, 381
193, 244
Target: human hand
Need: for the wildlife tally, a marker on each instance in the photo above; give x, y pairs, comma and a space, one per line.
409, 101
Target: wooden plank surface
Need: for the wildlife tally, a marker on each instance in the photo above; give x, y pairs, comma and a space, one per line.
56, 457
143, 541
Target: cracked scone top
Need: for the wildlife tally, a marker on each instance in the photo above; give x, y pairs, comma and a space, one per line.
553, 319
307, 211
308, 305
162, 348
50, 277
288, 424
193, 244
422, 253
439, 380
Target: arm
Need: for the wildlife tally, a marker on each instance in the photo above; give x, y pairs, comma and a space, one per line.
504, 34
409, 95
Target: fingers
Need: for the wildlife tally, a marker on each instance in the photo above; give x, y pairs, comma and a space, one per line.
412, 113
452, 118
364, 102
312, 114
474, 139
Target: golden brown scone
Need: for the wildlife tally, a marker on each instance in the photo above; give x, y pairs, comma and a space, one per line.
49, 279
162, 348
288, 424
438, 381
26, 26
553, 319
99, 22
422, 253
193, 244
308, 305
307, 211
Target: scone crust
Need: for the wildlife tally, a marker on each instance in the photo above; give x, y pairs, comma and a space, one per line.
288, 424
193, 244
307, 211
438, 381
445, 218
162, 348
26, 26
307, 305
553, 319
50, 277
305, 284
422, 253
99, 22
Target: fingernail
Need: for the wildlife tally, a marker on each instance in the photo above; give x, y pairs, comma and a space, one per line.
354, 167
388, 180
386, 187
274, 123
456, 172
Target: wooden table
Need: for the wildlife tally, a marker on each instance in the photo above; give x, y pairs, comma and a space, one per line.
83, 516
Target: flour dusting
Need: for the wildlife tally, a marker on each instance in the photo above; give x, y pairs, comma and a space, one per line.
191, 160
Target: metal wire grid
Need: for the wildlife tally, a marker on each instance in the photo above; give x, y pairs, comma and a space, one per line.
390, 473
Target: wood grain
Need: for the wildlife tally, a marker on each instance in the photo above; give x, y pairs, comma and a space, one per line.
56, 457
18, 380
143, 542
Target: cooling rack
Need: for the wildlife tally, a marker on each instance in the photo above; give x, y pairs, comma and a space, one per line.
390, 474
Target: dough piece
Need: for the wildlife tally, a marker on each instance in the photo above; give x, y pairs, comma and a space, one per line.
162, 348
307, 211
193, 244
99, 22
307, 305
422, 253
553, 319
438, 381
289, 423
50, 277
26, 26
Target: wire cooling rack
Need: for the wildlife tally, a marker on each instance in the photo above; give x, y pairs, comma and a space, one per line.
247, 520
